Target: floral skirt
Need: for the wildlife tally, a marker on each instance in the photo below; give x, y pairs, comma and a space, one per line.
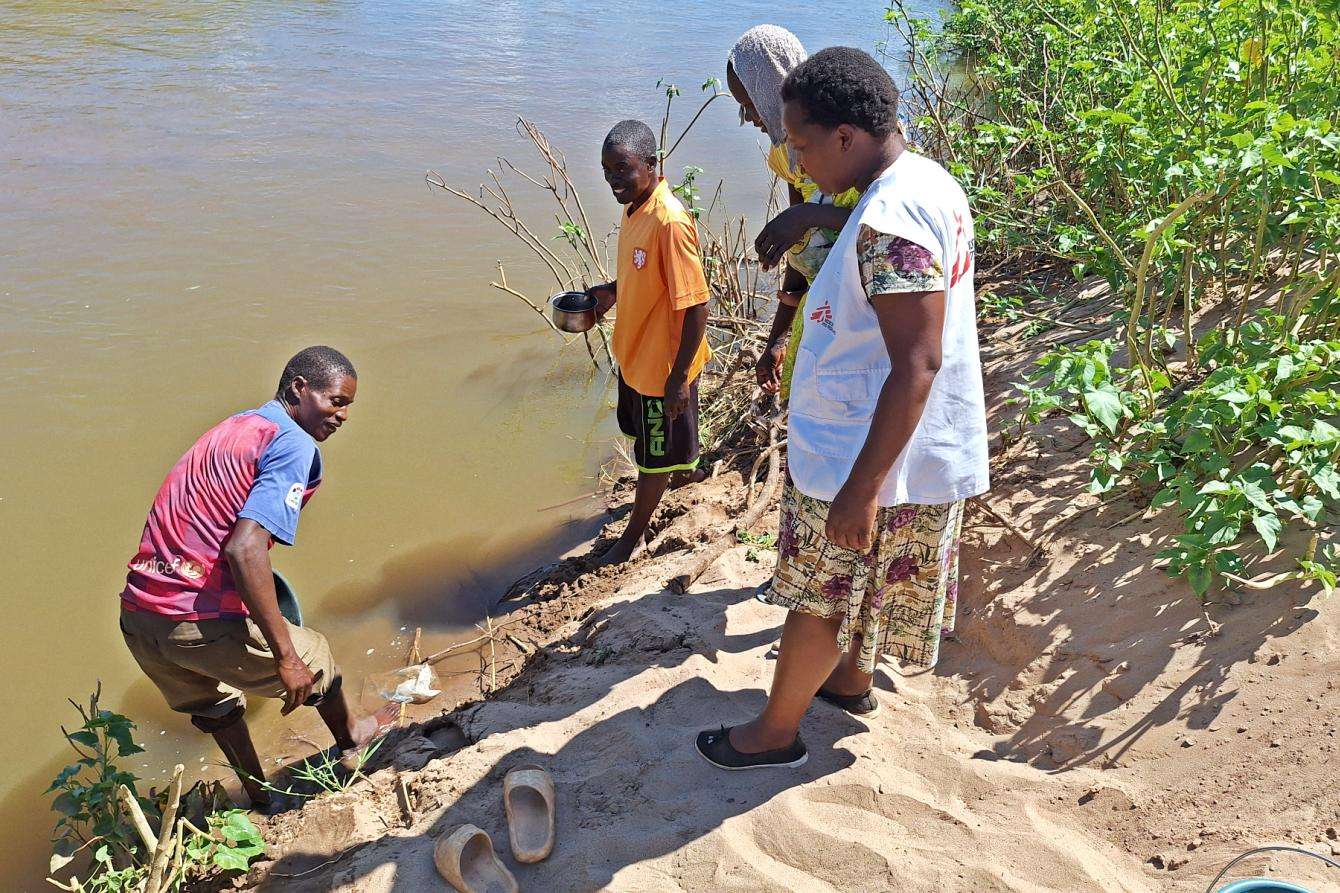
898, 598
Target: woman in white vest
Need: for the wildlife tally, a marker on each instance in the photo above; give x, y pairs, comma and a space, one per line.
887, 433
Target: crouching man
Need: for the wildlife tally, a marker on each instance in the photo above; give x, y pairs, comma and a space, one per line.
199, 611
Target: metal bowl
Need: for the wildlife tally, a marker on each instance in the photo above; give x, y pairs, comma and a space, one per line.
573, 311
287, 598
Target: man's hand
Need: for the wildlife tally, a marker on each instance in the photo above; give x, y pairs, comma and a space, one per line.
605, 297
851, 520
768, 369
297, 679
676, 396
781, 232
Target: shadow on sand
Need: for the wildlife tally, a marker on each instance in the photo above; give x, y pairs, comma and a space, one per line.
615, 772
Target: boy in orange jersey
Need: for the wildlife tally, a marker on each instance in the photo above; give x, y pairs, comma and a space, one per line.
660, 331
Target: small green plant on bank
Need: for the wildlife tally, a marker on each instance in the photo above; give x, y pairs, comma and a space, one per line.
229, 844
91, 798
571, 233
323, 774
86, 790
687, 190
755, 541
1188, 155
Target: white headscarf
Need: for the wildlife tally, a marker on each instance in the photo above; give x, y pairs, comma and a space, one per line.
762, 58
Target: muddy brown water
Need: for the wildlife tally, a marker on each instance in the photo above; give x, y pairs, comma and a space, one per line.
189, 192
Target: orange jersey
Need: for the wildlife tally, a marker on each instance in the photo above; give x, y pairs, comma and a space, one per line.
660, 275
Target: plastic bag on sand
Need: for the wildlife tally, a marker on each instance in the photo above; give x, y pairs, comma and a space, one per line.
408, 685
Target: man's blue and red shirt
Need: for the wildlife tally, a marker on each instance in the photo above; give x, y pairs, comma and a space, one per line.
258, 464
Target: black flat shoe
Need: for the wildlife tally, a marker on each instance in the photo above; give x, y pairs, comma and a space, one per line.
864, 706
715, 747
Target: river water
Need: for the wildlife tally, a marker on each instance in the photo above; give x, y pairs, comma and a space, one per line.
189, 193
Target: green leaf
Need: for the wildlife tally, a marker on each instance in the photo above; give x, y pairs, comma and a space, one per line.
1197, 441
1312, 507
1102, 480
1162, 498
1104, 404
62, 853
232, 859
65, 775
1292, 436
1269, 528
1200, 577
1257, 497
1327, 480
84, 737
66, 804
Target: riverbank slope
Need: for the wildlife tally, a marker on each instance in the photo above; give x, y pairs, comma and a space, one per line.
1089, 728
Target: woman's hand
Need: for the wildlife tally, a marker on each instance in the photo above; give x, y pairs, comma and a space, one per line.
851, 520
768, 369
781, 232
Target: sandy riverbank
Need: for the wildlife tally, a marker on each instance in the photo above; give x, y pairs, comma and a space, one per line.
1084, 731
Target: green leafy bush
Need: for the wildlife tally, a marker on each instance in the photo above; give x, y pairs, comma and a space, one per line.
1238, 454
1188, 154
94, 820
86, 790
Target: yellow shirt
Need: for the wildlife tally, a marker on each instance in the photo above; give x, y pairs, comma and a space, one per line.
660, 275
779, 162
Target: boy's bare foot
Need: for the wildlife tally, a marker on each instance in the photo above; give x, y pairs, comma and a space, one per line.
684, 478
618, 553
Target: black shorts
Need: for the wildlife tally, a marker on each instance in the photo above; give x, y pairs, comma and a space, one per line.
660, 444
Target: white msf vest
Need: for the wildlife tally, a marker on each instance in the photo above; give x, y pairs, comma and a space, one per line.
842, 361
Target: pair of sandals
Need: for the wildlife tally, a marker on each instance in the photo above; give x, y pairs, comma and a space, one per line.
466, 858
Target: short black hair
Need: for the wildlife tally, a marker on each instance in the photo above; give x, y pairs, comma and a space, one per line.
633, 135
844, 85
319, 365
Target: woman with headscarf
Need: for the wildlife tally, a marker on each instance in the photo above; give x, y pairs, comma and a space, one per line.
758, 63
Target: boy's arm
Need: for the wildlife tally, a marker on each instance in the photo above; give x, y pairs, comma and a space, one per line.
688, 293
690, 339
605, 296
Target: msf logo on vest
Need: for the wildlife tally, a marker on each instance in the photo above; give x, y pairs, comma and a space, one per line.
966, 248
824, 317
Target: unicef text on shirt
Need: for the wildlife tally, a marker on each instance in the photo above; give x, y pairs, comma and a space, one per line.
178, 566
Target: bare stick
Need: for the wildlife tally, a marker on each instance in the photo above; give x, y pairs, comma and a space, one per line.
503, 286
692, 121
1093, 218
1005, 522
411, 659
406, 804
165, 832
708, 556
766, 455
132, 808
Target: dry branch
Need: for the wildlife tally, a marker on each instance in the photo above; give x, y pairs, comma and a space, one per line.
701, 560
163, 851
